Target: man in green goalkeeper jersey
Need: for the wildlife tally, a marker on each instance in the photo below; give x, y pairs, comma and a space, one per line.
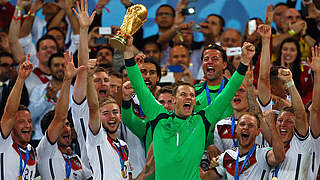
179, 136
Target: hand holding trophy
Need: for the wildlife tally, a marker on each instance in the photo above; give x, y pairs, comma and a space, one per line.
135, 17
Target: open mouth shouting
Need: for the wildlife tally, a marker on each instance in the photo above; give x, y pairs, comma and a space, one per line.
210, 70
149, 84
236, 100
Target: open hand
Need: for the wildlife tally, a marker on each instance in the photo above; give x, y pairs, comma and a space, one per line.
70, 71
84, 19
314, 61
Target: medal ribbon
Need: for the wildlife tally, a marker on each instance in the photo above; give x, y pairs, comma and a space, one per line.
68, 167
236, 172
233, 124
140, 111
21, 169
219, 91
114, 147
278, 166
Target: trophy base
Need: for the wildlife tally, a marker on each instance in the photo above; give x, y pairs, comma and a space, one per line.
118, 42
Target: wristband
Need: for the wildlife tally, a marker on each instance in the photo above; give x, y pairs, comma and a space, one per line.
289, 84
291, 32
99, 6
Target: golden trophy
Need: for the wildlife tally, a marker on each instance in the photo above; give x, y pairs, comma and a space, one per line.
135, 17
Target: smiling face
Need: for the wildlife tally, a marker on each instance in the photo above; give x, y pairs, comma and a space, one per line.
101, 84
22, 130
64, 139
57, 68
110, 117
285, 125
288, 53
185, 100
247, 130
212, 64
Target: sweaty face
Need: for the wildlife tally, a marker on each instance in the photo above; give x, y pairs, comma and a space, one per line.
179, 55
46, 49
167, 100
149, 74
231, 38
64, 139
6, 68
247, 130
57, 68
22, 130
101, 84
288, 53
285, 125
164, 17
152, 50
214, 25
115, 85
185, 101
104, 57
59, 37
110, 117
212, 64
239, 102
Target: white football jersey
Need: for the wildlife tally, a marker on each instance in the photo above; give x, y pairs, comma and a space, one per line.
52, 163
80, 117
104, 159
297, 161
315, 158
10, 160
255, 168
223, 135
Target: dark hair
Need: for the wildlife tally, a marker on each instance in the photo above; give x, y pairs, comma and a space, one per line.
251, 114
54, 56
280, 4
46, 120
216, 47
169, 6
153, 61
164, 89
57, 29
230, 67
122, 68
288, 109
178, 84
6, 54
100, 69
104, 47
23, 108
116, 74
296, 66
274, 73
149, 42
45, 37
221, 21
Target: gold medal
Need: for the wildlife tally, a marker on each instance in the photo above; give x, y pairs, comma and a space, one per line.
124, 175
19, 177
274, 178
66, 178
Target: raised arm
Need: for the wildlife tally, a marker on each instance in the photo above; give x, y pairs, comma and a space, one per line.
15, 46
277, 154
93, 102
28, 22
264, 91
61, 112
148, 103
9, 115
216, 109
80, 85
314, 63
66, 5
301, 121
133, 122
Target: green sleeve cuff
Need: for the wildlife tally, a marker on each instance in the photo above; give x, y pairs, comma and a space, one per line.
126, 104
242, 69
130, 62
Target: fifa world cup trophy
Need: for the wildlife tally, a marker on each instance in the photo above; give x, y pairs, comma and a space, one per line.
135, 17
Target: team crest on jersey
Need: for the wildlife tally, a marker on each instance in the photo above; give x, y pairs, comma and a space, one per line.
32, 155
